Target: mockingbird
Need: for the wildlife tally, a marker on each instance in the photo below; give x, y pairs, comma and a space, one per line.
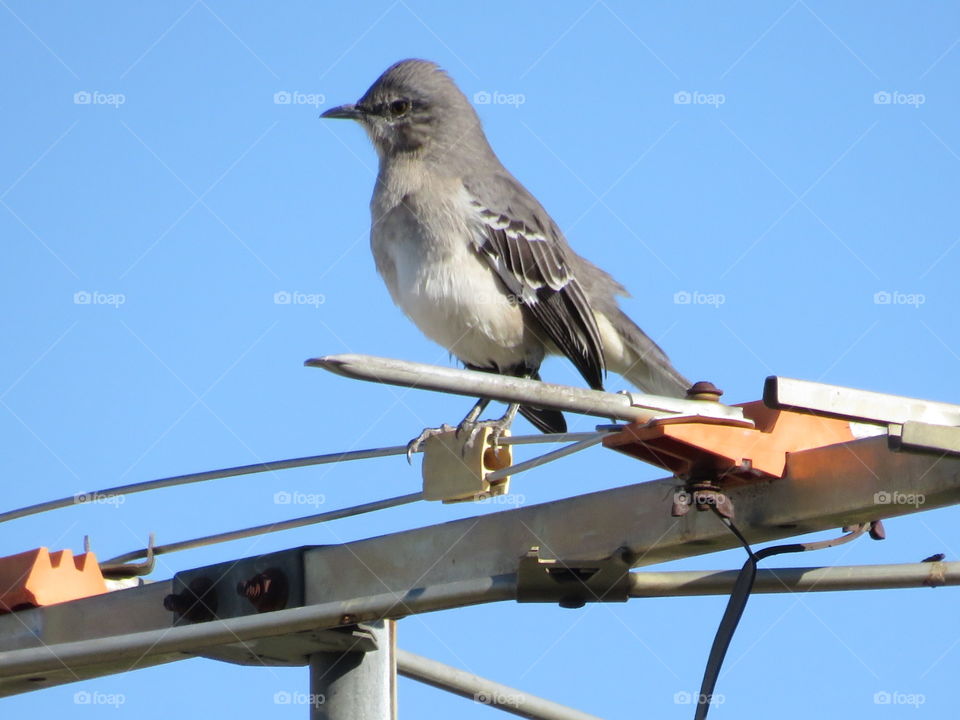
475, 261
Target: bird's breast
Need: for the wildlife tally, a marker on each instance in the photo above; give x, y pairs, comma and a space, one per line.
434, 275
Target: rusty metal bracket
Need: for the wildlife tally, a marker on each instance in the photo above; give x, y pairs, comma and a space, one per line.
118, 571
573, 584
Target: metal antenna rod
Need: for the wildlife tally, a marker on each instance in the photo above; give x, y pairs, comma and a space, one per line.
621, 406
482, 690
519, 467
310, 460
270, 527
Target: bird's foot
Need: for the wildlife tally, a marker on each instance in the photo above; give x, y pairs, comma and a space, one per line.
417, 443
475, 428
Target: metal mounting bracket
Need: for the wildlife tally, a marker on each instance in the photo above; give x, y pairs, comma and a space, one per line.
573, 584
455, 466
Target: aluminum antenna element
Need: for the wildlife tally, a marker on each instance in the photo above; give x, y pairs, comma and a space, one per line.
621, 406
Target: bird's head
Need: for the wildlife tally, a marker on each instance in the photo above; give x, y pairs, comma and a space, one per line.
414, 107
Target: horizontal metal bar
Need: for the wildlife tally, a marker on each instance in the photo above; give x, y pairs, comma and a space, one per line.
271, 527
801, 579
472, 383
479, 689
66, 662
823, 489
593, 439
837, 401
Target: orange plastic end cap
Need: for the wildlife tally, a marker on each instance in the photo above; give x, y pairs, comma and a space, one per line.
39, 577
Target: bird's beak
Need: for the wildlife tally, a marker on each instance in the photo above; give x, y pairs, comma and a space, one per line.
344, 112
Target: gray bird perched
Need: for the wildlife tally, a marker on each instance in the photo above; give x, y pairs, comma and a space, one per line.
475, 261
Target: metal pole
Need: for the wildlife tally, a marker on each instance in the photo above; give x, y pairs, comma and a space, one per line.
621, 406
482, 690
356, 685
802, 579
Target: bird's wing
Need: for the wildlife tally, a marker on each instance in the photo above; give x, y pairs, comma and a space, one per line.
527, 251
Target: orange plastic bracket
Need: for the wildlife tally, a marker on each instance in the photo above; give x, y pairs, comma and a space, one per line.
696, 446
40, 577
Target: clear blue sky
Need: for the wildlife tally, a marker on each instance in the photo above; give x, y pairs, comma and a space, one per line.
146, 163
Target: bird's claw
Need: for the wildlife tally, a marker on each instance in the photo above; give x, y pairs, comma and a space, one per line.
414, 445
475, 428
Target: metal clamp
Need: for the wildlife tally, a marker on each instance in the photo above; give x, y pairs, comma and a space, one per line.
573, 584
456, 465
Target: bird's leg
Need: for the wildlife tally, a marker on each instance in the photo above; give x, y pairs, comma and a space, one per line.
497, 427
472, 416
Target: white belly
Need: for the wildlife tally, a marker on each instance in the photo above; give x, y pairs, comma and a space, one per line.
458, 302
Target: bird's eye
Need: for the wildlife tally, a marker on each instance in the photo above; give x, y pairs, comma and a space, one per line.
399, 107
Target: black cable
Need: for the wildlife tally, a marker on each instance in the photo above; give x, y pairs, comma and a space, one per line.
738, 602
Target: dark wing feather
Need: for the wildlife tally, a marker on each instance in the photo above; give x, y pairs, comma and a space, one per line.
529, 255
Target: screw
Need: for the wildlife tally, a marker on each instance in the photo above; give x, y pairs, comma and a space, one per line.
704, 390
266, 591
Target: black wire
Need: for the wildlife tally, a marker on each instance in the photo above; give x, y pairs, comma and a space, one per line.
731, 616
